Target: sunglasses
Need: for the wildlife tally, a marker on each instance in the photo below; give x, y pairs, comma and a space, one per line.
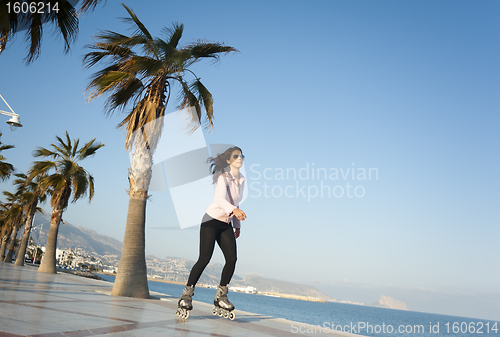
237, 155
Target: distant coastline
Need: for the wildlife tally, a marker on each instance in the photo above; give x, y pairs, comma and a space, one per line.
384, 302
294, 297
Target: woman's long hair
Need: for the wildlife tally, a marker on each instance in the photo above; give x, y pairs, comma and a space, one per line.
218, 164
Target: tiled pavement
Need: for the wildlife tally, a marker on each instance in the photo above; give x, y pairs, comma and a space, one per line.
46, 305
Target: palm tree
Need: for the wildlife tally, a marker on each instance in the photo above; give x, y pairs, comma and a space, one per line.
6, 169
68, 180
31, 193
14, 216
5, 230
141, 71
59, 13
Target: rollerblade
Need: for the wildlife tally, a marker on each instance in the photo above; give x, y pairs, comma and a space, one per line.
222, 306
185, 303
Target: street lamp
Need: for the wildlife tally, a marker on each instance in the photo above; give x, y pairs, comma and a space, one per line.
14, 121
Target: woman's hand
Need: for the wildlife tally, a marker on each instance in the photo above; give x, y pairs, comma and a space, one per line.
236, 233
239, 214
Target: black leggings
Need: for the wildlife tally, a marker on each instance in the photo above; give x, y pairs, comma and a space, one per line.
211, 231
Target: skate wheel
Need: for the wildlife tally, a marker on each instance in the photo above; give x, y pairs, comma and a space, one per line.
214, 311
226, 314
182, 313
232, 316
220, 312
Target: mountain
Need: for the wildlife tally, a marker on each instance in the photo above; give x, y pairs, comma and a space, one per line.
177, 270
76, 237
389, 302
281, 287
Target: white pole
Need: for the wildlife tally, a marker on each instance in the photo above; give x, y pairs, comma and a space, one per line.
7, 104
29, 234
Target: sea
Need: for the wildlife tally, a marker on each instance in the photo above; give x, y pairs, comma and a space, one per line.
324, 318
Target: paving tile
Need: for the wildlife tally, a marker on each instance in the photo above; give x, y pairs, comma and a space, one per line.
48, 305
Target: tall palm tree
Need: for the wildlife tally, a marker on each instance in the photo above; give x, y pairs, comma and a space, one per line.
69, 179
6, 229
6, 169
32, 192
141, 71
59, 13
14, 216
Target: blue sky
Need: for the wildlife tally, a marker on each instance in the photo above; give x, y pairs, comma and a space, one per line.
407, 88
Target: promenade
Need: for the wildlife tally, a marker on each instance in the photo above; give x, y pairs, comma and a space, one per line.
46, 305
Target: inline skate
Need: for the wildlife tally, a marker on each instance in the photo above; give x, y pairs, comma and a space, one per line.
222, 306
185, 304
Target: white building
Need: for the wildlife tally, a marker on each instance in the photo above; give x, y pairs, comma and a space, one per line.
247, 289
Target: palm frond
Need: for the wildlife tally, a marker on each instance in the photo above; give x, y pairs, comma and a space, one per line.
40, 168
203, 49
11, 197
204, 96
67, 146
88, 150
60, 151
55, 181
80, 184
166, 50
28, 198
174, 34
149, 67
134, 20
75, 148
141, 34
188, 99
63, 149
88, 5
128, 90
6, 147
8, 25
5, 170
34, 37
107, 50
91, 187
112, 79
109, 38
67, 167
21, 181
67, 23
43, 152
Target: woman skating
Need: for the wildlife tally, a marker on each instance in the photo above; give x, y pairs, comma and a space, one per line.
216, 227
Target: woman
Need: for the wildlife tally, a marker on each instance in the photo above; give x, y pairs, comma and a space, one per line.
216, 227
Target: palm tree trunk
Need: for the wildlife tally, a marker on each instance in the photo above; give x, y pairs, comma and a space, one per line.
132, 278
5, 238
48, 264
24, 241
11, 245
